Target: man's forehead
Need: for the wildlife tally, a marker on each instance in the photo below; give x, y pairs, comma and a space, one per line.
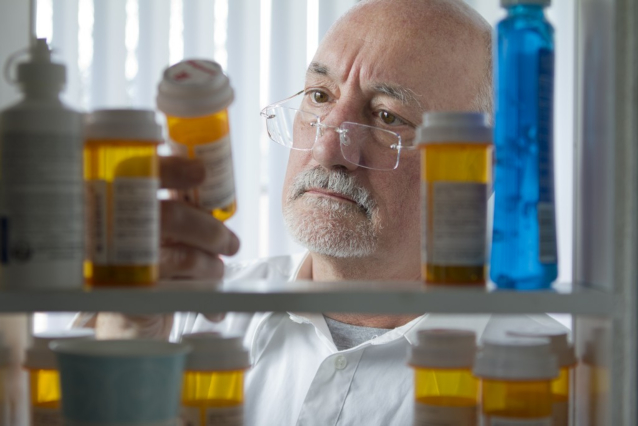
396, 91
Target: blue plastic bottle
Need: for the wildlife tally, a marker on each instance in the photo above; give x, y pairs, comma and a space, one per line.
524, 253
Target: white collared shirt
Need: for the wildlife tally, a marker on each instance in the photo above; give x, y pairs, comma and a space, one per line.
300, 378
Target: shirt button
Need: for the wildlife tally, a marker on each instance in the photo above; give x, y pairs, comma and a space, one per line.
340, 362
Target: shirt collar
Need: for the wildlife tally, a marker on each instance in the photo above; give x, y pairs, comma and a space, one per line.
476, 323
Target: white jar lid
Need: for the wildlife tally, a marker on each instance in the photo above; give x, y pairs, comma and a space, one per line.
193, 88
39, 356
130, 124
215, 352
444, 348
516, 358
453, 127
558, 342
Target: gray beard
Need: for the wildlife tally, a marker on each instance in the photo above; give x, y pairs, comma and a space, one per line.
329, 227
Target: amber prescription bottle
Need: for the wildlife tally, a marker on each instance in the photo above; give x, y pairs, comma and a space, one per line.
195, 95
516, 381
446, 392
561, 386
213, 387
121, 172
456, 174
44, 377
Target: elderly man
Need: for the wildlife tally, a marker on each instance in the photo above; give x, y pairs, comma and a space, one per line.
383, 65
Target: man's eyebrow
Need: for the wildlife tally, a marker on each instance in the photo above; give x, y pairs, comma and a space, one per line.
400, 93
317, 68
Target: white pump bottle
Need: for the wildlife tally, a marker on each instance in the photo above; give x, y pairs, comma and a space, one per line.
41, 182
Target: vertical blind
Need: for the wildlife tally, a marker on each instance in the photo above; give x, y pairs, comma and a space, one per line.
115, 51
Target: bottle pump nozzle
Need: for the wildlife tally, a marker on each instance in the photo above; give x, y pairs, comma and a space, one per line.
39, 75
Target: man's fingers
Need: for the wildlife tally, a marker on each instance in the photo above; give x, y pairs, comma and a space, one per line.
181, 173
185, 224
182, 262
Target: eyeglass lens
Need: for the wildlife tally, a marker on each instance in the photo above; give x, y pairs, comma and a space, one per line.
362, 145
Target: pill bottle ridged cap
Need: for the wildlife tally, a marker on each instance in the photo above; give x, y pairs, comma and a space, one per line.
39, 356
194, 88
444, 348
453, 127
128, 124
516, 358
559, 344
506, 3
215, 352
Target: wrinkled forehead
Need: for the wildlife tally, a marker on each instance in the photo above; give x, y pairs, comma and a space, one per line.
436, 62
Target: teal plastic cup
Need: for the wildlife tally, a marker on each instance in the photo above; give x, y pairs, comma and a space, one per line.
120, 382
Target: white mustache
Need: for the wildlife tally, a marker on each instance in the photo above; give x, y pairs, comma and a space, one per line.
339, 182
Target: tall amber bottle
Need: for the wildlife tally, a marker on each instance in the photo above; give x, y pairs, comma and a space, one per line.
195, 95
121, 173
456, 176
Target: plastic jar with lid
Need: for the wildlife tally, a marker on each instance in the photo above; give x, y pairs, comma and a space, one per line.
456, 176
44, 377
121, 171
195, 95
213, 387
446, 392
516, 381
564, 352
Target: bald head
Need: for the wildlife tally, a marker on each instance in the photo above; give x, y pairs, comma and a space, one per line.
447, 32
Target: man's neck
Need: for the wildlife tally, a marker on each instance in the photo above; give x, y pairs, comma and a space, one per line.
321, 268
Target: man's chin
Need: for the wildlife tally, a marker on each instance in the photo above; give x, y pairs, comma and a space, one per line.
343, 235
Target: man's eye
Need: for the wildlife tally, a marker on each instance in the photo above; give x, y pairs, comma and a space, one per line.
319, 97
389, 118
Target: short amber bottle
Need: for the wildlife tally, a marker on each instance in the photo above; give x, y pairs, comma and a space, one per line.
213, 387
516, 381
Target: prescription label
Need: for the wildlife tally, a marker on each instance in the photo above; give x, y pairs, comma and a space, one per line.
213, 416
218, 188
135, 239
459, 224
41, 416
432, 415
424, 222
503, 421
97, 222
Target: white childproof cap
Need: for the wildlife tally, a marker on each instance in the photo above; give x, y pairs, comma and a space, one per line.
444, 348
516, 358
194, 88
128, 124
559, 344
215, 352
40, 356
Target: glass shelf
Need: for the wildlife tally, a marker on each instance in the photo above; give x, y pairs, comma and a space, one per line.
300, 296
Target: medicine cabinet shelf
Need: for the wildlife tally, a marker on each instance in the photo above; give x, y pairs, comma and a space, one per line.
256, 296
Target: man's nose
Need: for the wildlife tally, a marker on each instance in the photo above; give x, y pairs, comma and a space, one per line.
327, 149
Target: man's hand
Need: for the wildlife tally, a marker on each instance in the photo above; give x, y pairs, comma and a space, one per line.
192, 240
